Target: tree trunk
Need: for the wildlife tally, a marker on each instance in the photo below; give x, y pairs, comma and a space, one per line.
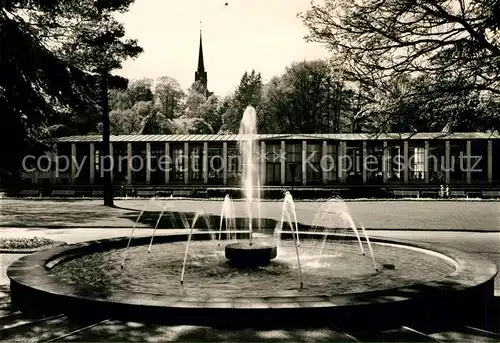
105, 157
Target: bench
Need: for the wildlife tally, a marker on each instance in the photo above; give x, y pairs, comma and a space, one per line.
29, 193
182, 193
457, 194
98, 193
430, 194
406, 193
473, 194
491, 194
146, 193
63, 192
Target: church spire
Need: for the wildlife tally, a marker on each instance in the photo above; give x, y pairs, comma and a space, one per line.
201, 65
201, 74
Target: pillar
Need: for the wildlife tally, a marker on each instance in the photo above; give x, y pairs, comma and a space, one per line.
283, 162
341, 159
447, 162
92, 163
148, 163
363, 163
263, 161
225, 163
304, 163
490, 161
385, 162
129, 163
187, 160
323, 165
406, 160
205, 163
34, 176
167, 165
468, 165
426, 162
73, 163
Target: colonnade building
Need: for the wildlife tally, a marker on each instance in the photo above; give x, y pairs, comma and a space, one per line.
283, 159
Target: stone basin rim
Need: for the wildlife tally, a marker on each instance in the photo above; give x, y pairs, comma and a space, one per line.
20, 271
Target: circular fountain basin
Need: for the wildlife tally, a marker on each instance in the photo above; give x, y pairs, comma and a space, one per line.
85, 280
250, 255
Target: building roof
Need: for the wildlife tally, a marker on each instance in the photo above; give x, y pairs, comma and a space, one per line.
273, 137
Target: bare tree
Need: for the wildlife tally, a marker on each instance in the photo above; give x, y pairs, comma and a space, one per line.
376, 39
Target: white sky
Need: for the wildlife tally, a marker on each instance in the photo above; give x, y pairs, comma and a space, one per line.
264, 35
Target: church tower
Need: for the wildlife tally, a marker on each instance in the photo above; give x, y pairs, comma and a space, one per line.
201, 74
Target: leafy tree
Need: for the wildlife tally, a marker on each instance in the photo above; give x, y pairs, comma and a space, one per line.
35, 84
169, 96
195, 99
77, 35
140, 90
186, 125
420, 104
222, 107
307, 98
210, 113
137, 91
204, 106
249, 92
124, 122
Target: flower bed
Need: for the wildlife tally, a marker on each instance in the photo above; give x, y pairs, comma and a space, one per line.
18, 245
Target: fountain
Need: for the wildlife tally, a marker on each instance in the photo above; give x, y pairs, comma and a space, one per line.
227, 217
256, 280
330, 213
203, 215
251, 254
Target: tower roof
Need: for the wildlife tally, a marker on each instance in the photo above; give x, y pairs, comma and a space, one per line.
201, 65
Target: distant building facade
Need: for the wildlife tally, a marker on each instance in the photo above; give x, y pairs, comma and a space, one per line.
326, 160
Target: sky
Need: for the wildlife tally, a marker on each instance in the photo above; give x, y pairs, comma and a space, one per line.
264, 35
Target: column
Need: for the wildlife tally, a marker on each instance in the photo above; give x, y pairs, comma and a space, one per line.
406, 160
304, 163
447, 162
323, 165
385, 161
490, 161
283, 162
205, 163
34, 176
111, 161
263, 161
73, 163
187, 160
426, 162
341, 159
225, 162
167, 164
129, 163
148, 163
468, 153
363, 161
92, 163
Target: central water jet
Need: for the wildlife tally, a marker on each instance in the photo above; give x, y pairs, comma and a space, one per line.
251, 254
